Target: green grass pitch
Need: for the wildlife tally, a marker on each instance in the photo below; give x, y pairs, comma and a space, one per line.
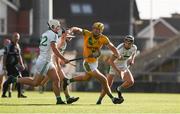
135, 103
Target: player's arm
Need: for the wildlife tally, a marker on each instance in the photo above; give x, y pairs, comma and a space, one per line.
46, 78
113, 65
22, 67
114, 50
132, 60
114, 56
62, 41
57, 53
58, 65
75, 30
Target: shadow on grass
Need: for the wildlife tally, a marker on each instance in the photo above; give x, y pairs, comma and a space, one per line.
26, 104
6, 104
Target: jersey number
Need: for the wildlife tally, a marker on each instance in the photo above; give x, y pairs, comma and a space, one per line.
44, 41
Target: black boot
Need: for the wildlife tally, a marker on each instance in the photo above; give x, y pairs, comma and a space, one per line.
70, 100
21, 96
9, 94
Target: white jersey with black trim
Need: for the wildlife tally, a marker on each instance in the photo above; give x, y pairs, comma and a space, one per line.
126, 54
46, 52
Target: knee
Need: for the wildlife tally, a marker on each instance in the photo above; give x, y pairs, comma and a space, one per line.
35, 84
56, 82
130, 82
104, 79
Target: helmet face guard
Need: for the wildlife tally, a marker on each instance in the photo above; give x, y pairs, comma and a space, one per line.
53, 23
98, 25
129, 39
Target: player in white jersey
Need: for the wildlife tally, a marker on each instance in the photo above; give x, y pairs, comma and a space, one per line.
44, 64
120, 67
62, 43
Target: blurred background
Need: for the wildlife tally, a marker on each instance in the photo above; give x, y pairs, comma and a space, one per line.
157, 66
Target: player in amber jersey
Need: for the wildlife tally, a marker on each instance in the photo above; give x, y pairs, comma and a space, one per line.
93, 42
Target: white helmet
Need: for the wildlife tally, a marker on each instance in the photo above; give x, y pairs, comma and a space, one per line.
53, 23
129, 37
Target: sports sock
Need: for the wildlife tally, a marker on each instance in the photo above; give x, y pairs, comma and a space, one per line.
58, 98
71, 80
100, 98
110, 95
67, 97
119, 88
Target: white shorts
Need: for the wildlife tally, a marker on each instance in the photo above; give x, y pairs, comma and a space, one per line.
88, 67
121, 67
42, 67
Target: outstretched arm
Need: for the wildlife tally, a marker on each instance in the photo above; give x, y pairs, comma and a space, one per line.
75, 30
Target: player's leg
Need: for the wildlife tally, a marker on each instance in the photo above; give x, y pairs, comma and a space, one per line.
19, 89
1, 74
10, 85
6, 86
10, 90
98, 75
35, 81
44, 81
69, 99
52, 73
11, 73
128, 81
41, 71
110, 79
1, 80
81, 77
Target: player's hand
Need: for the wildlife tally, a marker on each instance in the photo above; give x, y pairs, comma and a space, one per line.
117, 57
130, 62
23, 67
20, 67
65, 61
